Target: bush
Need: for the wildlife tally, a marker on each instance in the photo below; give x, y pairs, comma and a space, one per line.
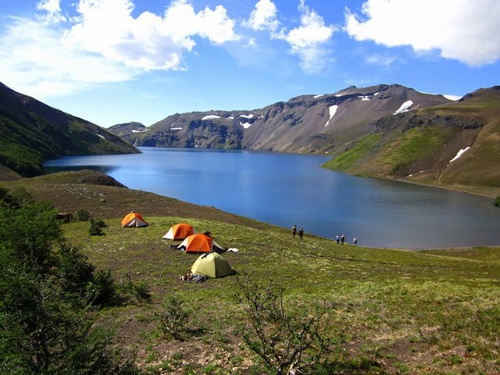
496, 202
289, 340
45, 297
96, 226
172, 320
82, 215
139, 291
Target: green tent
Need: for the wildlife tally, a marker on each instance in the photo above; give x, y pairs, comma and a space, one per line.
212, 265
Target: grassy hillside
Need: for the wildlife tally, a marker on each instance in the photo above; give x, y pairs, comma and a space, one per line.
388, 311
418, 146
33, 132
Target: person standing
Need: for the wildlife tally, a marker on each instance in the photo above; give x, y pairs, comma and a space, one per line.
301, 233
337, 238
342, 239
294, 231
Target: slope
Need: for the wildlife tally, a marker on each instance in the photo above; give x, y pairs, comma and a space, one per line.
33, 132
308, 123
454, 145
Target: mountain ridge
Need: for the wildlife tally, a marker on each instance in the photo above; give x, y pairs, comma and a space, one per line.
302, 124
33, 132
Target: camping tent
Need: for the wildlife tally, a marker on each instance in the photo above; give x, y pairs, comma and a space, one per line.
133, 219
199, 243
212, 265
179, 232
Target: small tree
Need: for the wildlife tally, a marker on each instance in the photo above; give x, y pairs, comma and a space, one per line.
173, 318
96, 226
288, 339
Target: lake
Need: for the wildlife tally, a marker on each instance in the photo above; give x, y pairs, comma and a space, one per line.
286, 189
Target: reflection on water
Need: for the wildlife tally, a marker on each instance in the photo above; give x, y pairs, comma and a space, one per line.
287, 189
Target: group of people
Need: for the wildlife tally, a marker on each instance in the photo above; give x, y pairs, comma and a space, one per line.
300, 232
341, 239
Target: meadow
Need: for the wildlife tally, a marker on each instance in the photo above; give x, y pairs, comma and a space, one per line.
387, 311
392, 311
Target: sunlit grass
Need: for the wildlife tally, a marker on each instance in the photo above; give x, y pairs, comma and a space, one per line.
381, 300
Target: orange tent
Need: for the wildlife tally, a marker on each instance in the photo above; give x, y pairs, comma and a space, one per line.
179, 232
198, 243
133, 219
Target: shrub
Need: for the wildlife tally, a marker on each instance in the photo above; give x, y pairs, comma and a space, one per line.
96, 226
82, 215
172, 320
45, 297
140, 291
289, 340
496, 202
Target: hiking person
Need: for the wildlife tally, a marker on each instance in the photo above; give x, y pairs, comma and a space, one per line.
294, 231
301, 233
342, 239
355, 241
337, 238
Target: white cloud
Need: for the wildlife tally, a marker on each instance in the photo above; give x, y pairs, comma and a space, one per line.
381, 60
52, 55
33, 61
308, 40
149, 41
53, 9
263, 17
463, 30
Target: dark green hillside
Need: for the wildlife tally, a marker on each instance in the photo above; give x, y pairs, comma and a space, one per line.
419, 146
33, 132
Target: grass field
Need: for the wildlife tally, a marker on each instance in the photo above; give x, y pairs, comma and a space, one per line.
389, 311
434, 312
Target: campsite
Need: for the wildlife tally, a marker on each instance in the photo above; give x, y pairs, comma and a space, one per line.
388, 311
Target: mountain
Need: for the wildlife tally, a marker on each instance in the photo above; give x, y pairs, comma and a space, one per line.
308, 123
455, 145
33, 132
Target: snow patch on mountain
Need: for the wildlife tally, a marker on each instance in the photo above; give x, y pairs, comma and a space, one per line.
209, 117
453, 97
332, 110
459, 153
404, 107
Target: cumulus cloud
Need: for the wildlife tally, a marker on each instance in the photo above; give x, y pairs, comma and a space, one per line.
264, 16
54, 54
463, 30
306, 41
33, 58
53, 9
149, 41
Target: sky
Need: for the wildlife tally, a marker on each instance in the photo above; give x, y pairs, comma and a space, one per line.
117, 61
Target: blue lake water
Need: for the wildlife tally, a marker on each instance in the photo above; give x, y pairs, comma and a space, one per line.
287, 189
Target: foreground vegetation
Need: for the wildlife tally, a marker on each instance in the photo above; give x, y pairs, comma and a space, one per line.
360, 310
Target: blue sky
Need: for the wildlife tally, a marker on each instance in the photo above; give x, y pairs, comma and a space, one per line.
116, 61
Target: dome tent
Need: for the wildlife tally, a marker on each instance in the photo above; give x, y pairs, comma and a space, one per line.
133, 219
179, 232
199, 243
211, 264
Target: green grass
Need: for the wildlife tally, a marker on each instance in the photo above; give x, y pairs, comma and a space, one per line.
354, 154
400, 310
414, 144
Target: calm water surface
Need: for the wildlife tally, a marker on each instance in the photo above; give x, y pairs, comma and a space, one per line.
287, 189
